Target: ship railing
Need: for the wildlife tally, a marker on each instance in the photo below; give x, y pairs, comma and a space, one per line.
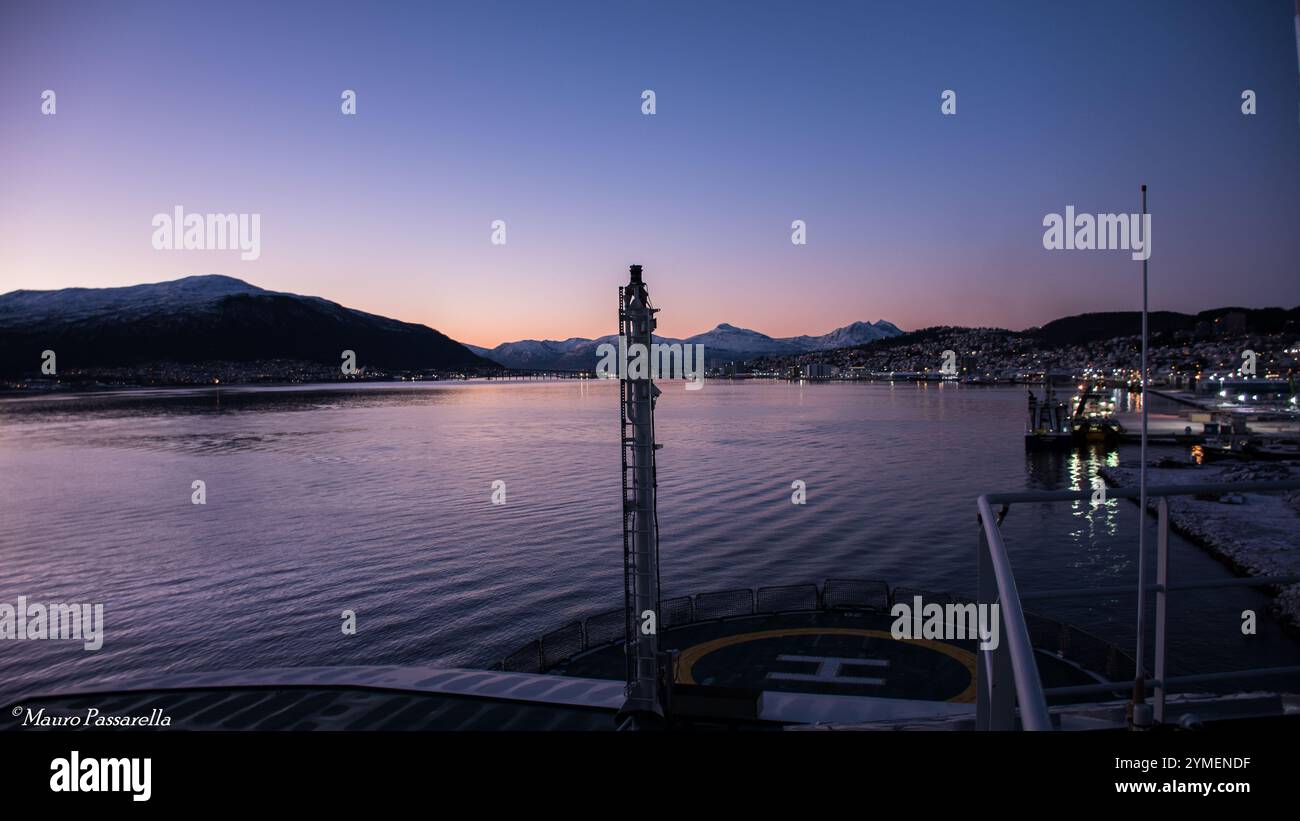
594, 634
605, 629
1007, 679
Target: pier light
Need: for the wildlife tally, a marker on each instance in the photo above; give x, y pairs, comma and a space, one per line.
1241, 397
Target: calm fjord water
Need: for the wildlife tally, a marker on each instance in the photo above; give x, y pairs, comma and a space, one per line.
376, 499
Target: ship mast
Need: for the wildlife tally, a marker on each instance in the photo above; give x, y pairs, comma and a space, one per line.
643, 705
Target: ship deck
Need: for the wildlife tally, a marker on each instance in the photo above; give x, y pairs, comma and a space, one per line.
759, 671
828, 653
768, 658
338, 699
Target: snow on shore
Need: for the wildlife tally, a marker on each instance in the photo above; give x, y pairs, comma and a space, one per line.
1259, 537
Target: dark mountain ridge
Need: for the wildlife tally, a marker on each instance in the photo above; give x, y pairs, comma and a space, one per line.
201, 319
1084, 328
209, 318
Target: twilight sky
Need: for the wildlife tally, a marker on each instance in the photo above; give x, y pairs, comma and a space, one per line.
530, 112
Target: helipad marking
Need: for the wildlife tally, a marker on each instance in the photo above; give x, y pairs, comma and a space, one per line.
693, 654
828, 670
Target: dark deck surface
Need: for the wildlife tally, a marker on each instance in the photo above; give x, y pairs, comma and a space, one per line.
329, 698
308, 708
797, 658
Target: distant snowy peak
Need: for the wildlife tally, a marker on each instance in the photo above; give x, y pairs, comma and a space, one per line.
724, 342
859, 333
730, 338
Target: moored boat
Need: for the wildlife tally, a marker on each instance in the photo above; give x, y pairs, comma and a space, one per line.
1094, 419
1048, 421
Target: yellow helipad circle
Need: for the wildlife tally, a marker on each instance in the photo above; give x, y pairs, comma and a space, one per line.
693, 654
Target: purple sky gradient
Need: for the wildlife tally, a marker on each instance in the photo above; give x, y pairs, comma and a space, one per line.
767, 112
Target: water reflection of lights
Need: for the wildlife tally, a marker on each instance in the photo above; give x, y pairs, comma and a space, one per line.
1084, 471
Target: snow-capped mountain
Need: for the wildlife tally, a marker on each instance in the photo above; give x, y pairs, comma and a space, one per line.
204, 319
35, 308
574, 353
742, 340
858, 333
543, 353
725, 343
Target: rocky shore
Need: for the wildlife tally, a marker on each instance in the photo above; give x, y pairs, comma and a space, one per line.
1257, 534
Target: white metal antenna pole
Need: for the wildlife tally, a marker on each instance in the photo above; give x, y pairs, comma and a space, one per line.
1139, 681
